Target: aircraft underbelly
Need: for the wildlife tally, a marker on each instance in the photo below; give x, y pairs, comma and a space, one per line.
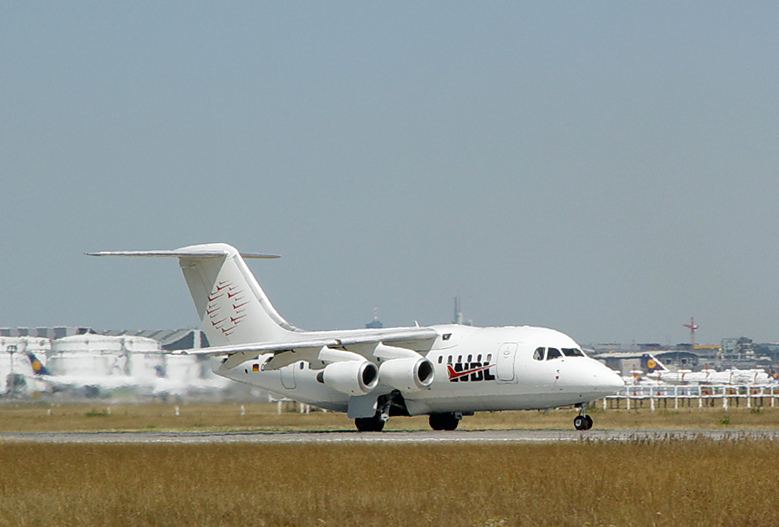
481, 402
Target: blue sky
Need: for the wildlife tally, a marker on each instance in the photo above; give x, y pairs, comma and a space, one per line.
606, 169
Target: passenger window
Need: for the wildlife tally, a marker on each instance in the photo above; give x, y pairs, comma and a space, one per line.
478, 358
470, 358
459, 358
302, 364
489, 357
440, 359
538, 354
553, 353
449, 360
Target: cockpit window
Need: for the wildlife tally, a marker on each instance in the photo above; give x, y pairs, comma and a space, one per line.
539, 354
553, 353
572, 352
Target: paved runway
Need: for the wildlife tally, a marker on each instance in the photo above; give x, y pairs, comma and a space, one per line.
460, 436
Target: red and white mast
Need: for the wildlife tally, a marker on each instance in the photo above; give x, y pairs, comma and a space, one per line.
692, 326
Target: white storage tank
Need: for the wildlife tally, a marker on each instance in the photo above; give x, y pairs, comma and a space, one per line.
100, 355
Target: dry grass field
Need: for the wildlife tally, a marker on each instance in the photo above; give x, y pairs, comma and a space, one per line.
640, 483
26, 416
663, 483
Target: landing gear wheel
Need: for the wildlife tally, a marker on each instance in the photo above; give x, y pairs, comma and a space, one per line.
582, 422
370, 424
443, 421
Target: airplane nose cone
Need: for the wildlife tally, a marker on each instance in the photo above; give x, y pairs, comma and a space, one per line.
606, 381
591, 380
615, 382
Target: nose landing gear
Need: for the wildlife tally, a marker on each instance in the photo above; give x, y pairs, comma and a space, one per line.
582, 421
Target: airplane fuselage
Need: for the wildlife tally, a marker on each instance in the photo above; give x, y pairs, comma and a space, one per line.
475, 369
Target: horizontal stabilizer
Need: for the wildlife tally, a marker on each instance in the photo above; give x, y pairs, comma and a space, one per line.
179, 253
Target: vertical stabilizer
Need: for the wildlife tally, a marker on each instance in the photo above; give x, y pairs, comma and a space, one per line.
651, 364
230, 303
37, 367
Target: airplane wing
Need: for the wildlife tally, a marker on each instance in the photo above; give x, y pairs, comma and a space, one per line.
360, 342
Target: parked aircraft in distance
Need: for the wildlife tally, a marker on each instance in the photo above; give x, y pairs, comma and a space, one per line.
657, 371
444, 371
90, 385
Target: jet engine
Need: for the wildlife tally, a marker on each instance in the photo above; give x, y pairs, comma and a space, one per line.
351, 377
409, 374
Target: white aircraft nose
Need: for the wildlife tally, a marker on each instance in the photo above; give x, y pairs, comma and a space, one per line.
616, 383
608, 380
590, 379
601, 381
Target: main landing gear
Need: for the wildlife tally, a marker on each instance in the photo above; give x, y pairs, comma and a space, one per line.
448, 421
371, 424
382, 415
582, 421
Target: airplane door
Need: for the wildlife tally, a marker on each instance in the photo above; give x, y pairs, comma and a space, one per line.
288, 376
506, 355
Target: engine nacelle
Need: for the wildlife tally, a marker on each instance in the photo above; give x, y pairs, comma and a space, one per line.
351, 377
408, 374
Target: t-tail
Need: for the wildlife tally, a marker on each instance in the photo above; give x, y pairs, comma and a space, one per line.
651, 364
230, 303
37, 366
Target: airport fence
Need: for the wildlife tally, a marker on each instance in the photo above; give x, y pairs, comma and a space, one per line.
690, 396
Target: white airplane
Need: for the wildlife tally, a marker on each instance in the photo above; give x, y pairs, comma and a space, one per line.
444, 371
